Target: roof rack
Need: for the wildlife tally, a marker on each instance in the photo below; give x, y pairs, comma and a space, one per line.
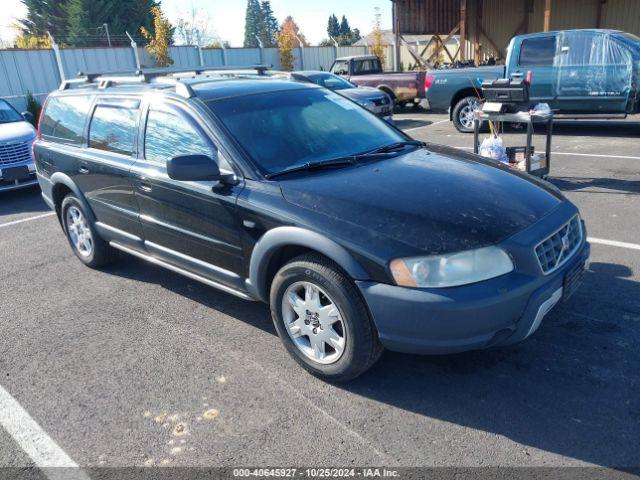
158, 75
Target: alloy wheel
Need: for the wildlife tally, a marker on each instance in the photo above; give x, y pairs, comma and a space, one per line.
79, 231
314, 322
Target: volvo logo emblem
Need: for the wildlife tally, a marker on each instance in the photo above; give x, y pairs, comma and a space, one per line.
565, 244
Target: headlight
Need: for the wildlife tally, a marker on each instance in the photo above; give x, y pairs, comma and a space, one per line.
451, 270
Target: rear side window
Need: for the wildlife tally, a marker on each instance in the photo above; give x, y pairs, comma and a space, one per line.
64, 119
113, 129
366, 66
168, 135
538, 51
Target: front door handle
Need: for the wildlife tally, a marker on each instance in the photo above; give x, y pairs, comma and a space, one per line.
145, 187
83, 169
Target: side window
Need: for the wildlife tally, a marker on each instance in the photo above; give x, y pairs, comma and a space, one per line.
340, 68
113, 129
64, 119
168, 135
366, 66
538, 51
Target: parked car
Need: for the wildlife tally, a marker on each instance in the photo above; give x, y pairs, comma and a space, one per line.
366, 70
373, 99
17, 169
579, 73
357, 236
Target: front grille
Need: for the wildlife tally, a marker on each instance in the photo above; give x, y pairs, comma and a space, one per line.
554, 252
14, 152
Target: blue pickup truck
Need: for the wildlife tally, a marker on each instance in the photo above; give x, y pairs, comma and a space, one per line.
579, 73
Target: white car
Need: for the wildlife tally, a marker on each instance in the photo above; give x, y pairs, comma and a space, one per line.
17, 169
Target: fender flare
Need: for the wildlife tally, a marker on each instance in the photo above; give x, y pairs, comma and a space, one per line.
59, 178
273, 240
388, 90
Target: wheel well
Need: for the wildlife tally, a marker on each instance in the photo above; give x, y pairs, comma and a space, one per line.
388, 91
283, 256
467, 92
60, 190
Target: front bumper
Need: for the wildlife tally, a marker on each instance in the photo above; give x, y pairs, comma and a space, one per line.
500, 311
29, 180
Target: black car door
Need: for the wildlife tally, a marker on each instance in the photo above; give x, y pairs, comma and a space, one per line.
192, 225
102, 169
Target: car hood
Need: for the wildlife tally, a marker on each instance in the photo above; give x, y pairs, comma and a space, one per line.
362, 93
435, 200
16, 131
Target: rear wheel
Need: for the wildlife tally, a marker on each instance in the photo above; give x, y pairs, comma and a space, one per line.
463, 115
322, 320
82, 236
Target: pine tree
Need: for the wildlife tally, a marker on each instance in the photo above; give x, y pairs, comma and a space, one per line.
80, 30
345, 29
269, 25
44, 16
333, 27
253, 22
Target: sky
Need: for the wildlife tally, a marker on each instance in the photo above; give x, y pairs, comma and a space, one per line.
227, 16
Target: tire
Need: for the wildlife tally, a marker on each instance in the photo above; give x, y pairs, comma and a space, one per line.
85, 242
344, 323
461, 112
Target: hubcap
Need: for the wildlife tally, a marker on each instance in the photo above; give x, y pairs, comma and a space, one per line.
313, 322
466, 113
79, 231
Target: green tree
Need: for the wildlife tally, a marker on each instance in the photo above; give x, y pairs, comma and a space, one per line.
76, 22
333, 27
268, 25
253, 23
44, 16
345, 29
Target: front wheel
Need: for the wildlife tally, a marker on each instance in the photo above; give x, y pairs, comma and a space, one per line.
322, 320
463, 114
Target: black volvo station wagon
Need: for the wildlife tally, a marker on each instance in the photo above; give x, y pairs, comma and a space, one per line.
358, 237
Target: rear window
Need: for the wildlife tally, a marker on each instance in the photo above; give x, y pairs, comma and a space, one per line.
113, 129
538, 51
64, 119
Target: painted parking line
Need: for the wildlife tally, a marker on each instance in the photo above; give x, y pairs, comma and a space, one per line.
41, 448
28, 219
614, 243
426, 126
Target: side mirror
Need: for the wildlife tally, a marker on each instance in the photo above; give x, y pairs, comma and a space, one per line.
193, 168
28, 116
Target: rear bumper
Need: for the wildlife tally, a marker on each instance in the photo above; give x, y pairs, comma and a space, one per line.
500, 311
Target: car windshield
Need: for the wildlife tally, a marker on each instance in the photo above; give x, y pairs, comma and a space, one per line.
8, 114
332, 82
282, 130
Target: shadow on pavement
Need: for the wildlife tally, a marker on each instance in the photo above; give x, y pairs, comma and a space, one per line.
27, 200
572, 389
408, 123
613, 185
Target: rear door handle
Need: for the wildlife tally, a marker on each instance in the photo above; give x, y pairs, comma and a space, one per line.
145, 187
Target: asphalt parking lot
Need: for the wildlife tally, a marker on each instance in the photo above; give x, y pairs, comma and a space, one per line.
134, 365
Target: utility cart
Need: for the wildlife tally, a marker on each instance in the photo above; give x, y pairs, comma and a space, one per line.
538, 165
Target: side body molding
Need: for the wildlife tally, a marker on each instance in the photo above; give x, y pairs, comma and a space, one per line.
272, 241
61, 178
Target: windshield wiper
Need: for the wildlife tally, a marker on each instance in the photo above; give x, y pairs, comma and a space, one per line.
319, 165
393, 148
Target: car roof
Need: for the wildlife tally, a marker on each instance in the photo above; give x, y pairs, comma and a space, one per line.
357, 57
204, 88
555, 32
308, 73
238, 87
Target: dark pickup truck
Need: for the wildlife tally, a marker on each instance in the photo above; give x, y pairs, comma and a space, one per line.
366, 70
579, 73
